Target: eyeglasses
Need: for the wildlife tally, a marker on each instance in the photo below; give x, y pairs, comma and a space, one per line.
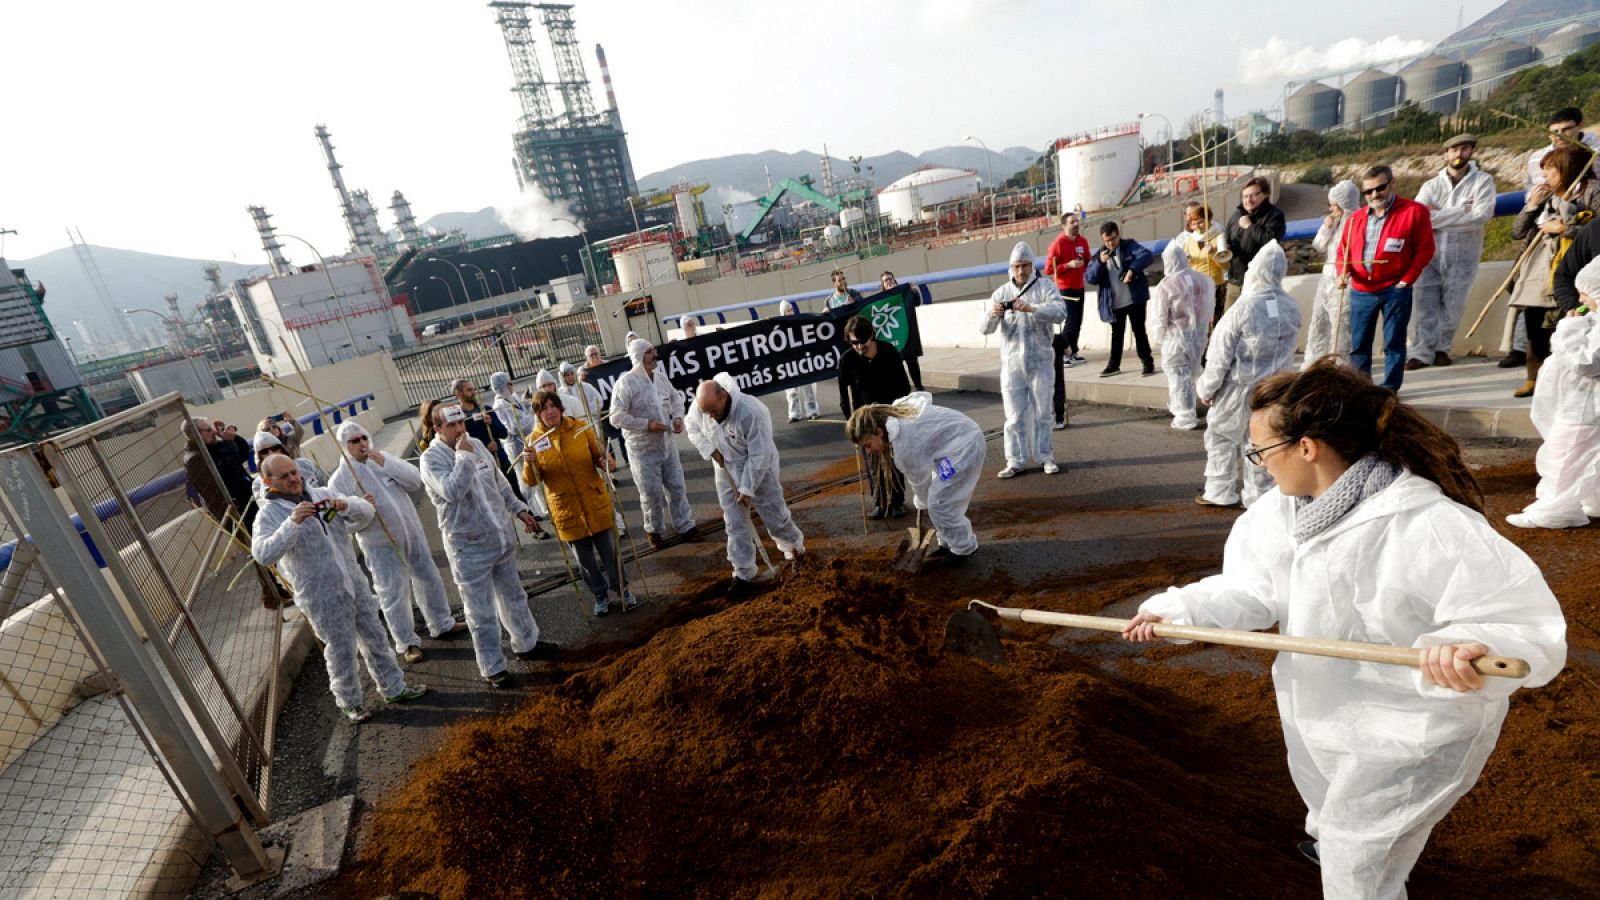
1377, 189
1254, 454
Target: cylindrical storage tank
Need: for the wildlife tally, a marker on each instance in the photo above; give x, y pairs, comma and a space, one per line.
1098, 169
906, 200
1366, 99
833, 236
1569, 39
850, 217
1314, 107
1431, 83
1488, 68
683, 202
637, 269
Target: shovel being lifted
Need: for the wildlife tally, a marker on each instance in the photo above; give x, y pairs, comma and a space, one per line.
914, 548
970, 632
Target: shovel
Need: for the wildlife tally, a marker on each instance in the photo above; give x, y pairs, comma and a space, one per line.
914, 548
970, 632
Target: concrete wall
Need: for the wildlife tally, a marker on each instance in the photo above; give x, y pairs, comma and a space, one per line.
374, 373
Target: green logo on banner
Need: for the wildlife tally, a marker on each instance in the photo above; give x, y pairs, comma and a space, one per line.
888, 317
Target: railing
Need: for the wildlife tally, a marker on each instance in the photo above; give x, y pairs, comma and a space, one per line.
520, 352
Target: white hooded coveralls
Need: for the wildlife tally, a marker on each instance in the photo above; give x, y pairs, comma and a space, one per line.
1180, 313
402, 569
1566, 410
477, 512
940, 452
323, 576
1459, 211
637, 399
581, 400
514, 413
1027, 373
1379, 756
749, 467
1255, 338
1330, 301
802, 399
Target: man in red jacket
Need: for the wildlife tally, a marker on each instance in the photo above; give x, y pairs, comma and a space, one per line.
1385, 248
1068, 256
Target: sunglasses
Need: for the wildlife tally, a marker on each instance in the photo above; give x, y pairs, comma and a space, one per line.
1378, 189
357, 439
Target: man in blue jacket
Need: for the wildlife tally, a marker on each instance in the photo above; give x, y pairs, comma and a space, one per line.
1117, 272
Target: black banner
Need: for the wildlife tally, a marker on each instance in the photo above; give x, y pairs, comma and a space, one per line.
768, 355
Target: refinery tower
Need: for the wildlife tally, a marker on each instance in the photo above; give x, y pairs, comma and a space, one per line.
576, 155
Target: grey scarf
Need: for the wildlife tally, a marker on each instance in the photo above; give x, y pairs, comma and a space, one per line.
1366, 477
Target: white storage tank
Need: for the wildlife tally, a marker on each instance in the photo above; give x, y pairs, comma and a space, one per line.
1097, 169
683, 202
1567, 40
833, 236
637, 269
850, 217
1492, 66
906, 200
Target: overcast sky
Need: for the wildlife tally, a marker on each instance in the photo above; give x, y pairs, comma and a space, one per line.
151, 126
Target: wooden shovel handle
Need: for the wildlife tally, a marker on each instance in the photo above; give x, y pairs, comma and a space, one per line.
1500, 666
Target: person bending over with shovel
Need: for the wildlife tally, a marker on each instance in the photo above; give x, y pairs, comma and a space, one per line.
939, 451
1375, 532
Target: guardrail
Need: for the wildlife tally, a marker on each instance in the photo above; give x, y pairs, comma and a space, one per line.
1506, 204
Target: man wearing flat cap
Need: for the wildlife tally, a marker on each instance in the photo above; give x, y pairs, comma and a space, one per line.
1460, 201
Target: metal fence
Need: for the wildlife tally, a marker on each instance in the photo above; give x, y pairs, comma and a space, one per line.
519, 351
138, 663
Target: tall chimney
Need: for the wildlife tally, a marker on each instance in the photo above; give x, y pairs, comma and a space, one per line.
605, 78
269, 240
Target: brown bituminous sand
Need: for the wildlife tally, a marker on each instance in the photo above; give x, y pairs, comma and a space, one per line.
818, 741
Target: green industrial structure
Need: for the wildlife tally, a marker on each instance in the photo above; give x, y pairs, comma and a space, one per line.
41, 391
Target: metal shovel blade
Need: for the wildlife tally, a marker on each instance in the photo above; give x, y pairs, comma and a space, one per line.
913, 550
969, 632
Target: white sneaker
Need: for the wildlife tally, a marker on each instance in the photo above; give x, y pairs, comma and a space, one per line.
1067, 361
1061, 425
1050, 468
1009, 472
1520, 520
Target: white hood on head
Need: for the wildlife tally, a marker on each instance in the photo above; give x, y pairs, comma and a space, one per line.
637, 348
500, 382
351, 429
1020, 252
1173, 259
568, 369
1588, 280
1345, 195
545, 377
1266, 271
263, 440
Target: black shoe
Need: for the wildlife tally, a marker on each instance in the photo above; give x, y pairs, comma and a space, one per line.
1308, 849
501, 679
1149, 369
692, 536
897, 511
541, 650
876, 514
742, 588
942, 554
1109, 371
1514, 359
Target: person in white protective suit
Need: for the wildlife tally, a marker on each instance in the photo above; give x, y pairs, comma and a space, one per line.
300, 530
1566, 410
802, 399
1180, 314
734, 431
517, 419
476, 506
1325, 328
1460, 202
1254, 339
649, 410
1025, 309
939, 451
393, 542
1376, 534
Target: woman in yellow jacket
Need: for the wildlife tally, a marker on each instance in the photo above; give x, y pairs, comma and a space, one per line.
565, 456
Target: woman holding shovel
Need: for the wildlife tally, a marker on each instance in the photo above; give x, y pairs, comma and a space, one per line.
1374, 533
564, 454
939, 451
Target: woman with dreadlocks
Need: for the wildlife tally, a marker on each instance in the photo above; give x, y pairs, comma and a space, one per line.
1375, 532
939, 451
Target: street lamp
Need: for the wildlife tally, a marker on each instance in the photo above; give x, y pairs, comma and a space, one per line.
514, 285
464, 292
589, 251
498, 280
481, 278
448, 293
1168, 123
344, 315
988, 159
566, 269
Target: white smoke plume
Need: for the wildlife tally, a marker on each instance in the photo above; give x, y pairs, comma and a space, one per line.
532, 215
721, 196
1277, 59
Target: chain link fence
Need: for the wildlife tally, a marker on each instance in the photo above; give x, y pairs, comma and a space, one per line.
138, 664
520, 352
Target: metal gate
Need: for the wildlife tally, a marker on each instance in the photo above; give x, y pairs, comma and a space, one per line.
519, 352
111, 525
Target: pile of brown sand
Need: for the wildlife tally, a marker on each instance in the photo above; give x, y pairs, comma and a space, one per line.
818, 740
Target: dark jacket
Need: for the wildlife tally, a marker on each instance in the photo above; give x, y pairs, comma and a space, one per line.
1585, 244
1135, 258
881, 379
1267, 224
487, 427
